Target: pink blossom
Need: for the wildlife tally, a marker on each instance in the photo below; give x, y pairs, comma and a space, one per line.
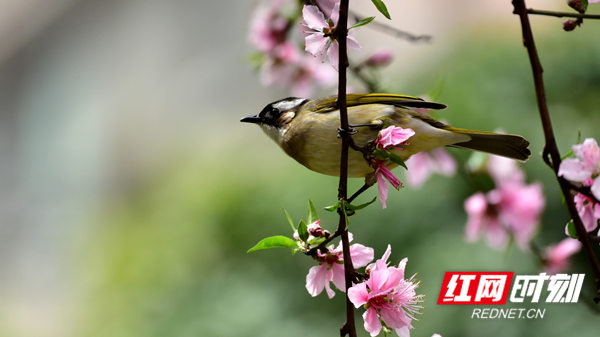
392, 136
383, 173
504, 170
423, 164
331, 268
585, 167
319, 39
269, 27
388, 297
287, 67
483, 218
380, 58
512, 208
588, 210
556, 257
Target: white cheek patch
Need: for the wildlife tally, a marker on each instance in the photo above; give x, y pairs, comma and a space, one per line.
286, 117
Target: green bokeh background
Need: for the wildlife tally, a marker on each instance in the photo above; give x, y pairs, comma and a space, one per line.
158, 246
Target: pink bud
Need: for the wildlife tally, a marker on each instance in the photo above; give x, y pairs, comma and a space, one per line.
569, 25
577, 5
380, 58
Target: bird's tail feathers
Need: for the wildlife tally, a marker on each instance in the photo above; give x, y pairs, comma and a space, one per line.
511, 146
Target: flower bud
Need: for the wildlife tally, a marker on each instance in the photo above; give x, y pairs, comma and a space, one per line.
380, 58
578, 5
569, 25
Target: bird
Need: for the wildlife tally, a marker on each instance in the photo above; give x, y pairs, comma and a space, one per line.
307, 131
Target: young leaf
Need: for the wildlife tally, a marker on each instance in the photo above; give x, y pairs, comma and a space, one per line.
303, 230
571, 229
312, 212
362, 22
289, 219
278, 241
381, 154
381, 8
333, 207
361, 206
396, 159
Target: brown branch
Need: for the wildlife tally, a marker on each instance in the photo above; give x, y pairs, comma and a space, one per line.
392, 31
551, 148
349, 327
562, 14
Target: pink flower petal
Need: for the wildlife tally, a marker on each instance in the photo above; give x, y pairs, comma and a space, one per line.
596, 188
588, 211
504, 170
445, 163
394, 319
574, 169
358, 294
338, 277
335, 13
589, 152
372, 323
557, 256
318, 277
361, 255
316, 44
313, 18
383, 189
404, 332
333, 54
419, 169
476, 206
394, 135
352, 43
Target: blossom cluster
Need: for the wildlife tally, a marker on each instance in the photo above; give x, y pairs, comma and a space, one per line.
389, 298
281, 31
512, 209
584, 169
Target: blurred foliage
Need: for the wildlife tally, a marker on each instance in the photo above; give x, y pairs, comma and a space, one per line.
169, 258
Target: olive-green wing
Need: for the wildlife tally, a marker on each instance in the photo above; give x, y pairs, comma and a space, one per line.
330, 103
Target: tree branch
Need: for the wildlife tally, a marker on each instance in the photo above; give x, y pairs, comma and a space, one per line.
550, 147
393, 31
349, 327
562, 14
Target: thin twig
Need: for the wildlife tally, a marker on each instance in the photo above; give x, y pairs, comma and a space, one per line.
562, 14
551, 148
342, 32
393, 31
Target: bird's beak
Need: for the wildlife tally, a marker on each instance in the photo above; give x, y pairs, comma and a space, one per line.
251, 119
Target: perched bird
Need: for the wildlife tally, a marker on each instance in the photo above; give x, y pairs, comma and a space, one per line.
307, 130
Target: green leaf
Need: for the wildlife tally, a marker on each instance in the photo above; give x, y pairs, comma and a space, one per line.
303, 230
316, 241
278, 241
381, 8
396, 159
312, 212
361, 206
333, 207
362, 22
567, 155
289, 219
381, 154
571, 230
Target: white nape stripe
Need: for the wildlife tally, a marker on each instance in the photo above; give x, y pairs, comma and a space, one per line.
288, 104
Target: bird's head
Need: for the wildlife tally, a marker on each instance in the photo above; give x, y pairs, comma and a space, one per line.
276, 117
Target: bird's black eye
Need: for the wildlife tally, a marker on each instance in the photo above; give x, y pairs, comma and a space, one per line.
269, 115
